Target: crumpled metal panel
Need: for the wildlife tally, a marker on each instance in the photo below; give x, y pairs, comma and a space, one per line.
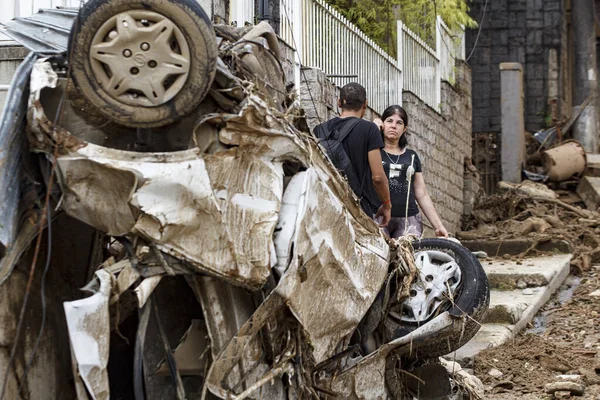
334, 276
212, 211
89, 333
46, 32
226, 309
241, 347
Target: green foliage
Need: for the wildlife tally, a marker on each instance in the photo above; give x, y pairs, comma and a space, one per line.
377, 18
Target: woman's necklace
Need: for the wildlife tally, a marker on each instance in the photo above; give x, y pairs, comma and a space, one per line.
390, 158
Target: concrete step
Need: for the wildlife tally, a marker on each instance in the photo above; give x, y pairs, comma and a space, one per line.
511, 310
531, 272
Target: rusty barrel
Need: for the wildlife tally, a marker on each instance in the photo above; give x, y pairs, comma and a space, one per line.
564, 161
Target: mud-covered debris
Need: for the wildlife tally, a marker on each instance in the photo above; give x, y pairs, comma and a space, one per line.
574, 388
520, 212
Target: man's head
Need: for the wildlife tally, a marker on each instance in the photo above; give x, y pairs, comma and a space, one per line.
353, 97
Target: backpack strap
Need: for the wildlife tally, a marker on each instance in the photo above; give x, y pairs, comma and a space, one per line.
348, 126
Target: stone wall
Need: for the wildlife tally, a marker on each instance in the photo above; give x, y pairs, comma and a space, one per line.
443, 141
530, 32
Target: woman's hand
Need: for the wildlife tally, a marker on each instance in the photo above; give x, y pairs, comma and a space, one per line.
441, 232
379, 123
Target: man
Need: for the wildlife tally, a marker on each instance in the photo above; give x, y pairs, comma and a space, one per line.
362, 144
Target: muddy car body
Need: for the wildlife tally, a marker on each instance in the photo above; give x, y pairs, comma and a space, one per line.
300, 294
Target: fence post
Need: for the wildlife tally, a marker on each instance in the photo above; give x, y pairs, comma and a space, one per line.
438, 69
400, 58
298, 39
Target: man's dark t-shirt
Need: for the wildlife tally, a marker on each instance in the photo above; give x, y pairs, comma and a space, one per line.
399, 184
363, 138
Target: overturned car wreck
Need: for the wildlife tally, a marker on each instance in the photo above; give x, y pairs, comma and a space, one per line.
229, 257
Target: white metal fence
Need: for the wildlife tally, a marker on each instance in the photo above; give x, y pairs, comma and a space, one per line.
450, 46
330, 42
420, 65
325, 39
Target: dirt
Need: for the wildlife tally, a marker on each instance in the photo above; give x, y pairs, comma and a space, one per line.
516, 214
567, 342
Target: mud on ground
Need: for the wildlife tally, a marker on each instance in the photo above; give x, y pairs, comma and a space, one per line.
566, 342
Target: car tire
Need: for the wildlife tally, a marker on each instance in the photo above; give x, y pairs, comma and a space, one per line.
470, 304
148, 73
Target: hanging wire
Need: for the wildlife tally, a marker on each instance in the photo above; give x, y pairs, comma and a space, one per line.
479, 31
43, 299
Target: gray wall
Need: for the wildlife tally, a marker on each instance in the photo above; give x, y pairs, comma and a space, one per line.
523, 31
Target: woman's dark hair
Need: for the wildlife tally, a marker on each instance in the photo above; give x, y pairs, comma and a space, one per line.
396, 109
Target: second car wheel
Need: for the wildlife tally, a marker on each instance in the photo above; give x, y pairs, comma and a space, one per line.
143, 63
449, 279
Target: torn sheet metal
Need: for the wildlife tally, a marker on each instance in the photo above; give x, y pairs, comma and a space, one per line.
366, 382
362, 380
226, 310
334, 277
216, 211
241, 348
89, 334
145, 289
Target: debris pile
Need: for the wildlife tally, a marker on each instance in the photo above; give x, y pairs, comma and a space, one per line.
531, 210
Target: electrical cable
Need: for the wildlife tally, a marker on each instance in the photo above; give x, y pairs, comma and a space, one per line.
43, 299
479, 31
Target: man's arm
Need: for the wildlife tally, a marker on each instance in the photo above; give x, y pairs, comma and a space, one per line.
381, 185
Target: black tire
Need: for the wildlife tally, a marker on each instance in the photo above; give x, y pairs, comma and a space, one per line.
470, 303
192, 21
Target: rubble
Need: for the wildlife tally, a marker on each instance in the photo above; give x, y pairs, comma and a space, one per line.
574, 388
515, 214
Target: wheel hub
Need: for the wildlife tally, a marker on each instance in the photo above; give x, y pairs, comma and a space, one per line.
437, 282
140, 58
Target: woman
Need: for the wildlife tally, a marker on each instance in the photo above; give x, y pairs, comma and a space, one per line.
407, 187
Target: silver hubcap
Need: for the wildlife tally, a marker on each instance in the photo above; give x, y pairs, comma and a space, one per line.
438, 279
140, 58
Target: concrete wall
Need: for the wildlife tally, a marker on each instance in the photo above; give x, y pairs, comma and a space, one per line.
443, 141
11, 55
530, 32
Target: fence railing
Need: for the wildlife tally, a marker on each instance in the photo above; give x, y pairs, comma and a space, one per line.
330, 42
451, 46
325, 39
420, 64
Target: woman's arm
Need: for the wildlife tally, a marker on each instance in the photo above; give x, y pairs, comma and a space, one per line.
427, 205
